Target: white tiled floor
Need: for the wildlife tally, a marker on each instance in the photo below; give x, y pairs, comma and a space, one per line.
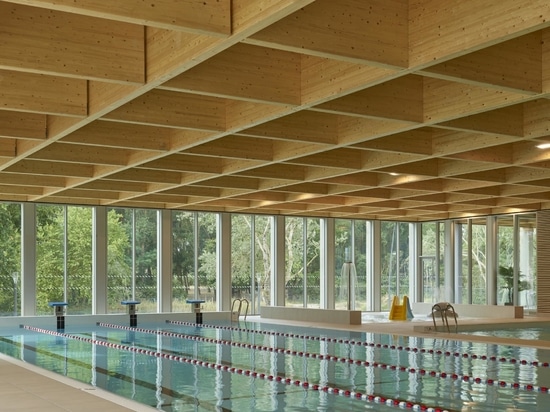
24, 387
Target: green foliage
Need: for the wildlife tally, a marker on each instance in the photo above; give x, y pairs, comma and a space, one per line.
506, 274
10, 251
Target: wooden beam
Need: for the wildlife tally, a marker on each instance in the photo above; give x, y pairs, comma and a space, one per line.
122, 135
167, 108
444, 101
417, 141
245, 72
438, 32
399, 99
344, 78
305, 126
506, 121
514, 65
376, 31
204, 16
59, 43
22, 125
184, 163
238, 147
81, 154
29, 92
38, 167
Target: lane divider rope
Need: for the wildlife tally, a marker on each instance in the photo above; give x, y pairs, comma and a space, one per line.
371, 398
423, 372
493, 358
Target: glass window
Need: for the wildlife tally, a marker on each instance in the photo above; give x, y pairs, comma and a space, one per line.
527, 292
132, 258
262, 262
251, 247
10, 270
294, 261
428, 260
479, 261
64, 258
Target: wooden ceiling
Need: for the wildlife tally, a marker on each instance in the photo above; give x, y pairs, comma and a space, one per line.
407, 110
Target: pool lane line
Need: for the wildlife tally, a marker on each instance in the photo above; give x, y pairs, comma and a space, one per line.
174, 394
402, 404
350, 361
534, 363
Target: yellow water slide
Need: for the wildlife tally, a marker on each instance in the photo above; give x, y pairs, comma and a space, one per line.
400, 311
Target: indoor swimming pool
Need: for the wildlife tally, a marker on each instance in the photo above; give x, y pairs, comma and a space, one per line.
540, 332
177, 366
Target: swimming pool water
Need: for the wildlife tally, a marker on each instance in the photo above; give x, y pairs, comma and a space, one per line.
182, 367
527, 333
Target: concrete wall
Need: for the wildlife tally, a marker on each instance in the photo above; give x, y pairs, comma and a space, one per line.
344, 317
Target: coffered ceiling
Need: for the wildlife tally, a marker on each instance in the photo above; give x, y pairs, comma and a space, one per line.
367, 109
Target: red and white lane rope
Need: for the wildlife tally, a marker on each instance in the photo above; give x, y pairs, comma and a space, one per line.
284, 351
288, 381
371, 344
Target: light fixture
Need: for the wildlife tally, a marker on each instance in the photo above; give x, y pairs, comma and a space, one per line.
544, 146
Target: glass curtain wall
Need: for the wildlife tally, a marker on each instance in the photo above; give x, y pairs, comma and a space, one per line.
302, 262
472, 233
527, 282
360, 262
394, 248
350, 260
64, 258
10, 250
132, 258
343, 247
516, 276
262, 262
429, 262
243, 282
183, 259
193, 259
251, 260
478, 251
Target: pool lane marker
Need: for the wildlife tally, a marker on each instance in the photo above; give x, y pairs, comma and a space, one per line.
397, 403
423, 372
371, 344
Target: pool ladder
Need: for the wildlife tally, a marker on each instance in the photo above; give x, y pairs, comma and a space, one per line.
235, 314
444, 309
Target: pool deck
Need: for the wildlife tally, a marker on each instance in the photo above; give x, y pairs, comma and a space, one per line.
25, 387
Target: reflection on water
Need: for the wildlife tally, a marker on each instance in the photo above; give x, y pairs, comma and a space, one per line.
182, 368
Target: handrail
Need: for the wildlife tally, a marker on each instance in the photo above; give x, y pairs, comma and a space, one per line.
238, 311
444, 309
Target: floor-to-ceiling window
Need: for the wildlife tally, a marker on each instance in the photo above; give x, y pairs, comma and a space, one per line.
10, 250
429, 252
262, 261
394, 249
527, 256
183, 259
193, 259
360, 263
344, 277
302, 262
64, 258
478, 250
132, 258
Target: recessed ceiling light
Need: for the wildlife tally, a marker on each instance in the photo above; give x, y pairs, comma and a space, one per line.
544, 146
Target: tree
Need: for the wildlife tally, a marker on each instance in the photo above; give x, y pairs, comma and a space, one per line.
10, 251
506, 274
